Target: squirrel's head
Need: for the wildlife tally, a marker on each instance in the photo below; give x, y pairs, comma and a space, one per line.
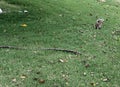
100, 20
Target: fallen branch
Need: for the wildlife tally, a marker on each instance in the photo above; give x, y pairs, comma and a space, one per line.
12, 47
63, 50
55, 49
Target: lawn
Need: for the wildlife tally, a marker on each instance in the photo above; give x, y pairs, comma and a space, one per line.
64, 24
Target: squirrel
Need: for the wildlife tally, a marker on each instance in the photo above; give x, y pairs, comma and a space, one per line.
99, 23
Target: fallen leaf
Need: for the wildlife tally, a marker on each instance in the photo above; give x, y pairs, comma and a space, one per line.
105, 79
41, 81
23, 25
62, 61
23, 76
14, 80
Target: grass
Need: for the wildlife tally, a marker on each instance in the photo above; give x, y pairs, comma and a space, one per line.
63, 24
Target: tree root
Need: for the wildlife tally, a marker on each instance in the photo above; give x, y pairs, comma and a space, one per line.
55, 49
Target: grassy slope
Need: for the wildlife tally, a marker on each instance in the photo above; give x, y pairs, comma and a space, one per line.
66, 25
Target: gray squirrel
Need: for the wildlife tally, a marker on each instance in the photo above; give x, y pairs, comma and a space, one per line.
99, 23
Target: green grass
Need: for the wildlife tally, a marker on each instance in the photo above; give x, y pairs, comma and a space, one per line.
66, 24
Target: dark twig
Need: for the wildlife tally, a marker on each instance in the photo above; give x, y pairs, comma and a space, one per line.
12, 47
55, 49
63, 50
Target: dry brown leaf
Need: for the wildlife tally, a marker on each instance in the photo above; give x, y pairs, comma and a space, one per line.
105, 79
23, 25
14, 80
23, 76
62, 61
41, 81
